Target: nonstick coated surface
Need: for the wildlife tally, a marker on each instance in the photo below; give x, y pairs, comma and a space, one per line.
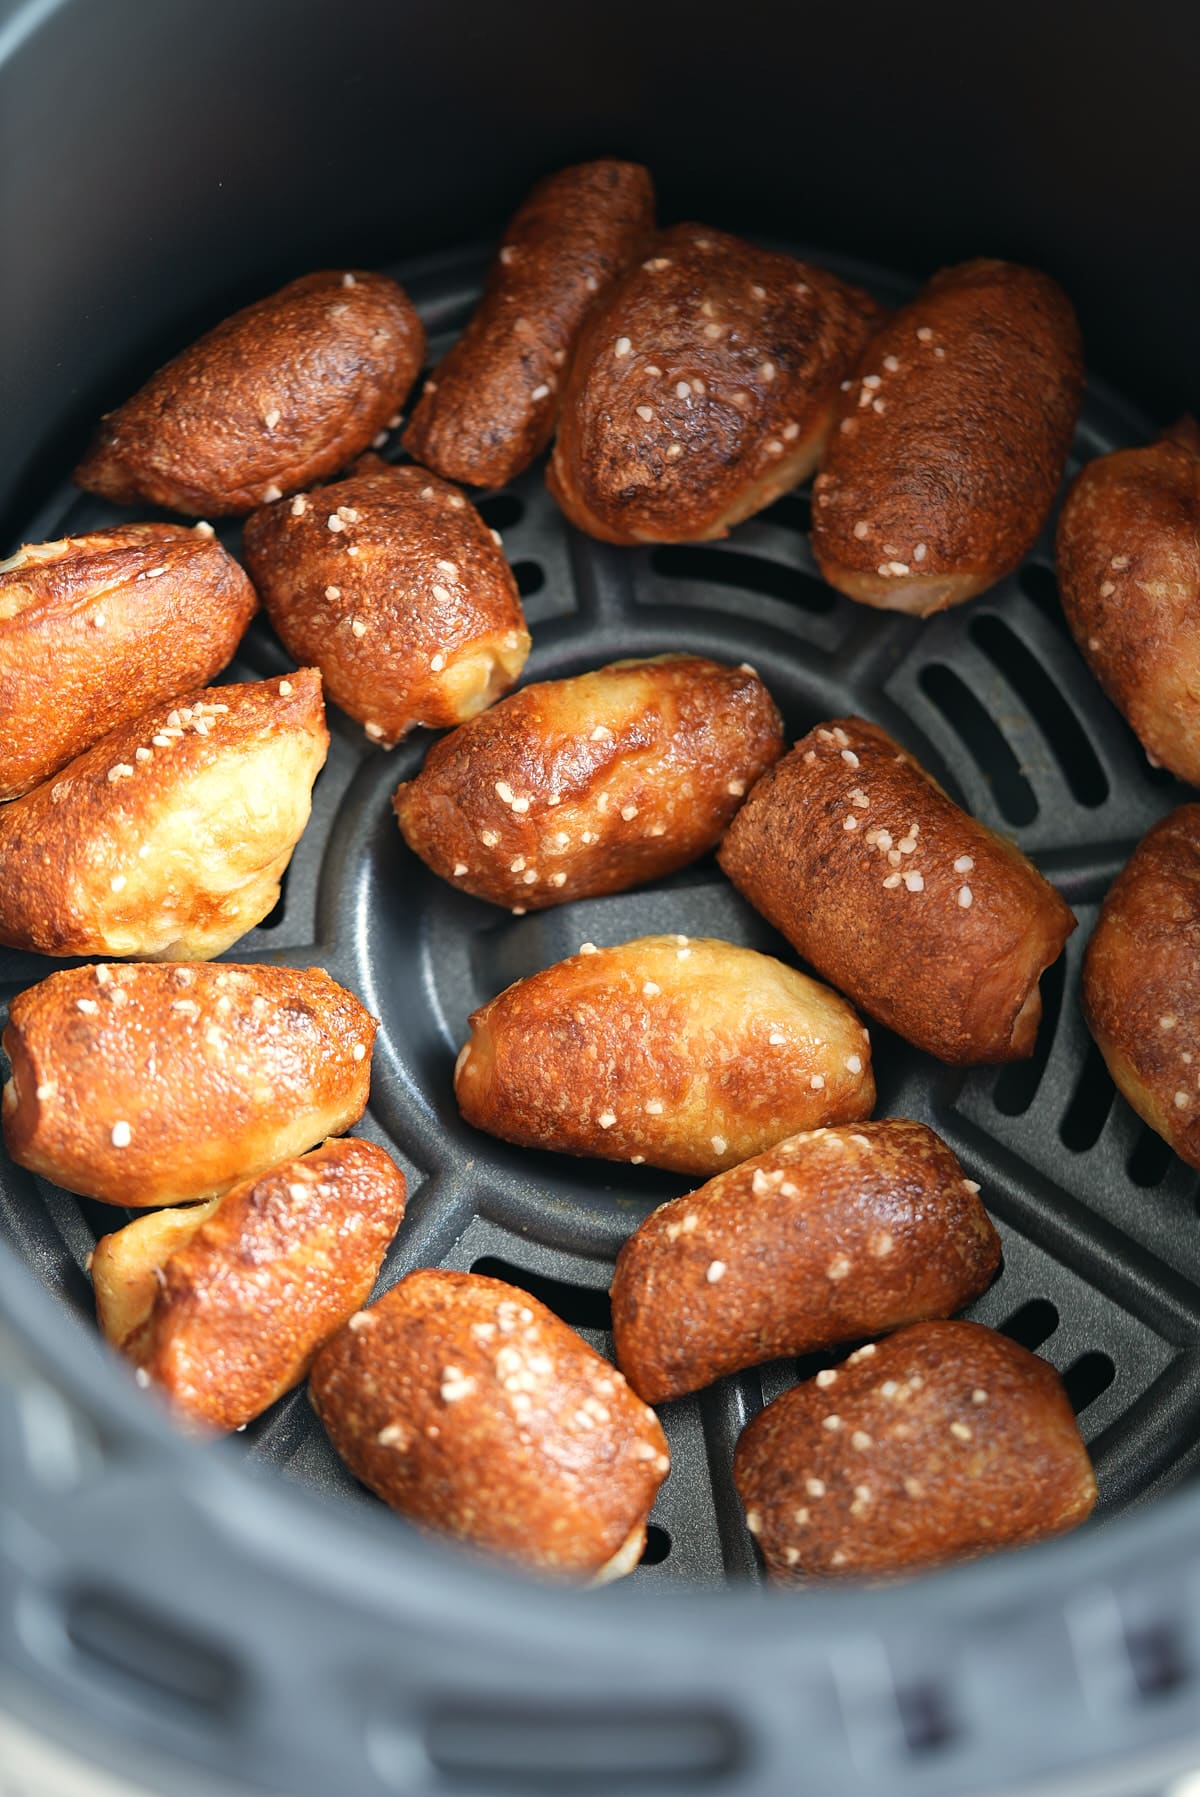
1099, 1220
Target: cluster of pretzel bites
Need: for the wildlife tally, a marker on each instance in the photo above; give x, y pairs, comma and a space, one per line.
691, 378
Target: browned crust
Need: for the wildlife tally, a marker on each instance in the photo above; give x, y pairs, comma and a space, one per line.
1141, 980
94, 629
280, 1264
1128, 556
492, 404
216, 1074
830, 1236
328, 359
942, 1443
688, 1054
470, 1408
736, 353
917, 911
949, 443
622, 775
391, 584
158, 841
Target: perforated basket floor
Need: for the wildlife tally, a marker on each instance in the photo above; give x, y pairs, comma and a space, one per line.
1101, 1236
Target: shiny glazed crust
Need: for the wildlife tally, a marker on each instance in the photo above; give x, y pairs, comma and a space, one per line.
917, 911
1128, 561
702, 388
571, 788
270, 1271
391, 584
491, 405
168, 838
280, 394
469, 1407
144, 1085
950, 442
1141, 980
830, 1236
95, 629
943, 1442
690, 1055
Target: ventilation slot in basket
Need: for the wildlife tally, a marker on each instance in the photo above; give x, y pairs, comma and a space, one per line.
1046, 705
1033, 1324
1084, 1119
983, 740
747, 573
1087, 1377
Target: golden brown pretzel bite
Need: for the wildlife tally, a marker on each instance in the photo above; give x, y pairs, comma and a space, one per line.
1128, 555
156, 1085
94, 629
493, 399
686, 1053
470, 1408
168, 838
918, 912
391, 584
572, 788
278, 395
222, 1306
1141, 980
950, 442
829, 1236
944, 1442
702, 388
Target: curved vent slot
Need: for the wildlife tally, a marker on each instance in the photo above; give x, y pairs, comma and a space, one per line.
1033, 1324
583, 1306
501, 511
1016, 1088
658, 1546
1039, 586
529, 578
527, 1748
926, 1718
983, 740
793, 511
1158, 1659
1087, 1377
747, 573
1088, 1110
1046, 706
1151, 1160
144, 1649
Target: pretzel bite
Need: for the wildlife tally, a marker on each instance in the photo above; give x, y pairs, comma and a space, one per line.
950, 442
830, 1236
222, 1306
703, 388
577, 787
492, 403
94, 629
470, 1408
391, 584
1141, 981
686, 1053
169, 837
918, 912
281, 394
145, 1085
944, 1442
1129, 576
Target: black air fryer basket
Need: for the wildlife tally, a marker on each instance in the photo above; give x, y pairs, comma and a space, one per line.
244, 1616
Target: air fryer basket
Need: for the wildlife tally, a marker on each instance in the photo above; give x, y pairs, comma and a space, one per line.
247, 1610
